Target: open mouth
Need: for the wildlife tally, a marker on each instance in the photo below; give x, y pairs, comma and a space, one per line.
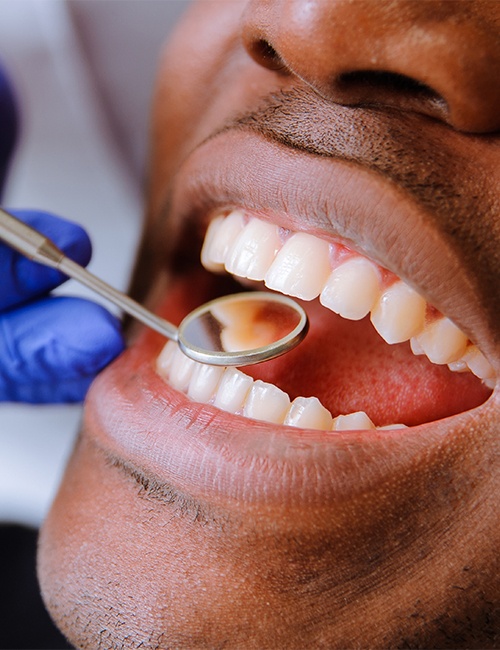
316, 422
377, 355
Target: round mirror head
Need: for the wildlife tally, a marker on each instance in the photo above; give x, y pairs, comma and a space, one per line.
242, 329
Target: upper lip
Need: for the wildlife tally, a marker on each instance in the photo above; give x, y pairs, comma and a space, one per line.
336, 200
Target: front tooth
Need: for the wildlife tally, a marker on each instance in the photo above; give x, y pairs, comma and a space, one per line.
308, 413
253, 251
181, 369
221, 234
266, 402
442, 341
301, 268
164, 360
352, 422
399, 313
352, 289
204, 382
232, 391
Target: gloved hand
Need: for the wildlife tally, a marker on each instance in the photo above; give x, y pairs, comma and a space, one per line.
51, 348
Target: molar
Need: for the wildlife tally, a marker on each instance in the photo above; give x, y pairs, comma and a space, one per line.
392, 427
474, 361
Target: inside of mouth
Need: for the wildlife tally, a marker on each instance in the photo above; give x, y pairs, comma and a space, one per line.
349, 368
377, 353
346, 364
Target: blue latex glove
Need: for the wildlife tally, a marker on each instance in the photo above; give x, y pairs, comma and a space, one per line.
51, 348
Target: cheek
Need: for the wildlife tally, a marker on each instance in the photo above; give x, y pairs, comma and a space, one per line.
191, 75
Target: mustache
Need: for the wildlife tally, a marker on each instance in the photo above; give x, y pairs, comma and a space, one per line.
424, 158
436, 166
383, 140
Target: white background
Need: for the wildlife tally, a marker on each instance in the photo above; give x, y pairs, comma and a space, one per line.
83, 72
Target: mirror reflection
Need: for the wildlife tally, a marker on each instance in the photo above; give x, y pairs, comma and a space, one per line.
239, 324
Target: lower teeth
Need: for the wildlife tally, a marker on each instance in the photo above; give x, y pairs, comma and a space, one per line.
232, 391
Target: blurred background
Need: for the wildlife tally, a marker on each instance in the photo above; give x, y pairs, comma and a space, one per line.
83, 73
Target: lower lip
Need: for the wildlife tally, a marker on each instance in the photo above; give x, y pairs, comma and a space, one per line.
210, 455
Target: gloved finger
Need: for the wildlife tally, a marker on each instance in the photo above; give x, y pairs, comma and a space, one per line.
51, 349
21, 279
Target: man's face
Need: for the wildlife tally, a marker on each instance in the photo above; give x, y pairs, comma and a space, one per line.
347, 150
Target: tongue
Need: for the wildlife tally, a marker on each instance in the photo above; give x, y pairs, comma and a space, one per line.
348, 367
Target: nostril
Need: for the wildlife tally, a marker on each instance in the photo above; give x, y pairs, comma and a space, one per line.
265, 55
380, 86
388, 82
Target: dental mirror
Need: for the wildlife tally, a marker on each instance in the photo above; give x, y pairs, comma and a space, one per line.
242, 329
236, 330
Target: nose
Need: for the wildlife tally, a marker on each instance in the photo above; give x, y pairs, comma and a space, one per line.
439, 57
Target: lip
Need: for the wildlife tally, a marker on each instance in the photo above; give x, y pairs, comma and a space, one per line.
337, 201
211, 456
215, 457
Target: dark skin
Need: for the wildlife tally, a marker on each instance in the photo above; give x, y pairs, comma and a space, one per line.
178, 526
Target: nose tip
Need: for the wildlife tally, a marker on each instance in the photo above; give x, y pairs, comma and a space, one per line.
430, 57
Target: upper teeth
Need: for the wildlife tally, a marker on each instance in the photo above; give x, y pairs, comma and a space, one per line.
304, 266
